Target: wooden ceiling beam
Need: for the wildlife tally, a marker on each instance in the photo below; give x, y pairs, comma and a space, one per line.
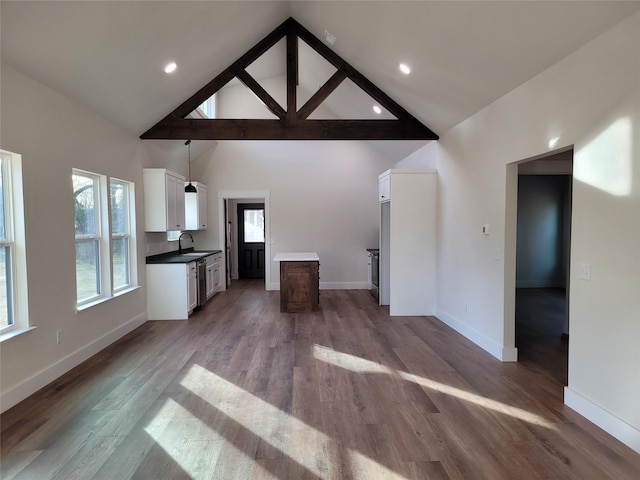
269, 102
259, 129
321, 95
291, 124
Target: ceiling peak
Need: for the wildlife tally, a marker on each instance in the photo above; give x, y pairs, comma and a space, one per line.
292, 123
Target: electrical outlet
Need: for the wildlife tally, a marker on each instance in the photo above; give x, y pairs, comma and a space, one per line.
59, 336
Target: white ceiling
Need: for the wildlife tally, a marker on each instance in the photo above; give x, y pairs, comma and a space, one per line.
109, 55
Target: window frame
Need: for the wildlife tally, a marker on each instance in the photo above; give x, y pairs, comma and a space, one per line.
104, 238
129, 213
14, 240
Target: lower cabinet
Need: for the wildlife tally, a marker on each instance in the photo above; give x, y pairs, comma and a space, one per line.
172, 290
214, 274
299, 285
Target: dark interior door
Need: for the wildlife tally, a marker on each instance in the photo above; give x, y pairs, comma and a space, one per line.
251, 240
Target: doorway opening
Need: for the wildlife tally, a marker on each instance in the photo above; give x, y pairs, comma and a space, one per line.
250, 235
251, 251
542, 254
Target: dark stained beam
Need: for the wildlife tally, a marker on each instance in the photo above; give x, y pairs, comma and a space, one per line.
321, 95
262, 94
292, 124
356, 77
228, 74
259, 129
292, 74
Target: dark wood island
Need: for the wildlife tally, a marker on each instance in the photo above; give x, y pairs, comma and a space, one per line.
299, 281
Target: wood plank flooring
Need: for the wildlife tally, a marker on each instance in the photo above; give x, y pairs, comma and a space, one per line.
242, 391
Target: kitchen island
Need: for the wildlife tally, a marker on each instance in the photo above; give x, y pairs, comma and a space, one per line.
299, 281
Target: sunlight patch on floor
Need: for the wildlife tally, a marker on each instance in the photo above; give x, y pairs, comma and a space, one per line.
277, 428
362, 365
349, 362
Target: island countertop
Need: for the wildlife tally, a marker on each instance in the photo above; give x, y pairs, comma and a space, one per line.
297, 257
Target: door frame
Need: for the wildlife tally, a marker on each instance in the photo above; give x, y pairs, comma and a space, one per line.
242, 206
259, 196
510, 351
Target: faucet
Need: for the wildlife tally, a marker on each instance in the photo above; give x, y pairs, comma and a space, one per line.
180, 241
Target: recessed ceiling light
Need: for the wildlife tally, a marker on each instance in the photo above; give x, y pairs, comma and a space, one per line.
377, 109
404, 68
170, 67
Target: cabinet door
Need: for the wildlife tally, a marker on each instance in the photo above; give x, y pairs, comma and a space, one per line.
211, 285
299, 283
202, 207
384, 189
193, 286
163, 200
217, 278
175, 203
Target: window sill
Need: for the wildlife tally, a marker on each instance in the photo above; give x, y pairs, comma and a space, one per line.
101, 300
5, 337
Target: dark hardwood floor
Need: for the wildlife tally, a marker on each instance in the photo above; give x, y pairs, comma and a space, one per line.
242, 391
540, 315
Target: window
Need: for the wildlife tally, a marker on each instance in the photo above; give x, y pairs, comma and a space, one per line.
254, 225
86, 189
120, 234
104, 236
13, 264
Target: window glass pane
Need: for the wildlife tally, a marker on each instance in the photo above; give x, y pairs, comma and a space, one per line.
253, 226
87, 270
120, 256
6, 316
118, 196
3, 230
84, 196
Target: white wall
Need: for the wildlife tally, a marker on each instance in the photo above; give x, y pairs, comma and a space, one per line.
323, 198
323, 194
54, 135
590, 100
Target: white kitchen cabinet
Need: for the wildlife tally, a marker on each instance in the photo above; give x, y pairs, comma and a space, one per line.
172, 290
192, 277
384, 187
214, 274
217, 272
163, 200
408, 243
195, 207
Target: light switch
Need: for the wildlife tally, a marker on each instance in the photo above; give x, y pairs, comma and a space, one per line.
485, 229
585, 271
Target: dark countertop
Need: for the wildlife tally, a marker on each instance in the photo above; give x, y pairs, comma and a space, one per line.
188, 255
373, 250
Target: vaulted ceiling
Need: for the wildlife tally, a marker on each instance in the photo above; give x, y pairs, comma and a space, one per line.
109, 55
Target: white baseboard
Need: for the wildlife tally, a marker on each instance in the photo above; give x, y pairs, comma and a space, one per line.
44, 377
504, 354
344, 285
611, 424
331, 286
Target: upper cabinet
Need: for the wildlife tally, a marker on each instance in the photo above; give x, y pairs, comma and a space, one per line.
384, 187
195, 208
163, 200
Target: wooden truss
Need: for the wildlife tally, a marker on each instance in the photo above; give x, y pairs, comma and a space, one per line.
290, 124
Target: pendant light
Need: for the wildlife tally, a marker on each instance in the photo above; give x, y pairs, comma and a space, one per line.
189, 188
